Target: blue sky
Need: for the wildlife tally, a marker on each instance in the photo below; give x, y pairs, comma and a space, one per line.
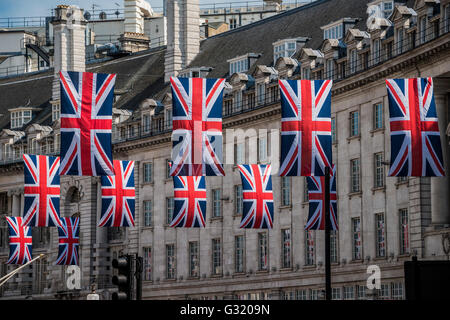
34, 8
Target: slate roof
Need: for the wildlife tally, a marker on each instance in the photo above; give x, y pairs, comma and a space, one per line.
141, 75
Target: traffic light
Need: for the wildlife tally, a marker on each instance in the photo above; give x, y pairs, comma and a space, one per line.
124, 279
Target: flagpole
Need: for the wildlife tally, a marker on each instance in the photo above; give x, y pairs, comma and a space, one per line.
327, 235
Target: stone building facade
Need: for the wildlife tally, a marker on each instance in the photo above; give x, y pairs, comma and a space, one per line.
383, 220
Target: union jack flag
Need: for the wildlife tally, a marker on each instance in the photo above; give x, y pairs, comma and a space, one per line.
197, 126
257, 196
41, 191
20, 241
118, 196
189, 202
415, 139
316, 196
305, 127
86, 122
69, 239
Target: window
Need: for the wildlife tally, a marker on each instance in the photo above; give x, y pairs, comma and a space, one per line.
55, 112
376, 51
262, 251
310, 247
193, 259
216, 205
286, 248
355, 173
285, 191
260, 93
333, 246
384, 291
349, 293
239, 66
148, 213
380, 240
361, 292
262, 148
330, 69
306, 73
399, 40
147, 261
273, 93
250, 100
216, 257
378, 116
397, 291
233, 23
354, 123
314, 294
353, 60
447, 18
168, 166
423, 29
170, 261
356, 230
147, 172
336, 293
379, 170
404, 231
286, 49
239, 153
239, 254
19, 118
238, 199
169, 210
146, 123
333, 130
238, 100
301, 294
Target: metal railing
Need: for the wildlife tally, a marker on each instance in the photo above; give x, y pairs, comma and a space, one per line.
237, 7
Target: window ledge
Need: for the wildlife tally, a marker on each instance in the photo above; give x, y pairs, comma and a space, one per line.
353, 194
220, 218
237, 215
287, 269
335, 143
377, 130
398, 184
218, 275
239, 274
193, 278
305, 203
355, 261
262, 271
147, 184
353, 138
380, 258
147, 228
375, 189
285, 206
309, 267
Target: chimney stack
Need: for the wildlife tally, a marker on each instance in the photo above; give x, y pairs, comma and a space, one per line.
69, 28
183, 35
133, 39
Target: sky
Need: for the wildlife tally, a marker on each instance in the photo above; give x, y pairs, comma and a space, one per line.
36, 8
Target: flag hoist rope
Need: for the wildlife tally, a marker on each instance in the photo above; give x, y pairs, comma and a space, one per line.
12, 273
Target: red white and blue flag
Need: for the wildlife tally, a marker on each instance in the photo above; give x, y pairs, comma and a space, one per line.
118, 196
316, 196
41, 191
197, 126
415, 139
305, 127
20, 241
189, 202
69, 240
86, 122
257, 196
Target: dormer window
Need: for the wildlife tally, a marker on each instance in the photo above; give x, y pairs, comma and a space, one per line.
19, 118
335, 32
285, 48
200, 72
242, 63
239, 66
337, 29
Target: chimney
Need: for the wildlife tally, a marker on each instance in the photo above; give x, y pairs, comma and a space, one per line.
69, 28
133, 39
183, 35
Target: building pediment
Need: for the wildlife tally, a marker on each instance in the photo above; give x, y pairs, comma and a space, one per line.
355, 35
402, 12
285, 63
238, 77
